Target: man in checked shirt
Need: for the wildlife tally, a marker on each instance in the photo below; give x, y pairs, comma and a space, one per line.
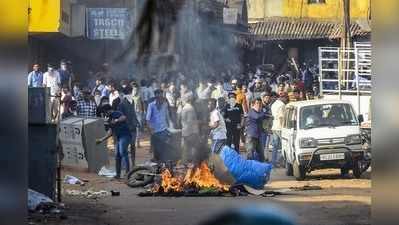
86, 106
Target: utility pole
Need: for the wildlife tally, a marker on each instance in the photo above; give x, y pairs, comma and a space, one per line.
344, 55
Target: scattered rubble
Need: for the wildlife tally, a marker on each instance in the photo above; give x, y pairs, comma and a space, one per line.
307, 188
89, 194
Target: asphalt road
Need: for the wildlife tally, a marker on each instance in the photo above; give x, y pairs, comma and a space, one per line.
341, 201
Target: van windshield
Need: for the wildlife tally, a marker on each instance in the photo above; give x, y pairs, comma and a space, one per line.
327, 115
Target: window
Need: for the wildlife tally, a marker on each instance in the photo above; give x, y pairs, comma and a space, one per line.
327, 115
316, 1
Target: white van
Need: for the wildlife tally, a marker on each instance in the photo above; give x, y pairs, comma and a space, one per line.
321, 134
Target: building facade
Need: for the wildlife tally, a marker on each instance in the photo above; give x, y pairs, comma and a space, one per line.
294, 29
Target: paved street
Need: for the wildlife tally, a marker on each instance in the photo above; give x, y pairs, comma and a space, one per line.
340, 201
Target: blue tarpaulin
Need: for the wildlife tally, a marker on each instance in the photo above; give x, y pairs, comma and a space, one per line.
250, 172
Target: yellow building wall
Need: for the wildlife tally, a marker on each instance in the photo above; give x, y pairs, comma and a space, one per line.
44, 15
331, 10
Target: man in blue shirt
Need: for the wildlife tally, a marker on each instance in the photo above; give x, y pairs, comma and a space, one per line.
158, 120
120, 130
35, 78
254, 131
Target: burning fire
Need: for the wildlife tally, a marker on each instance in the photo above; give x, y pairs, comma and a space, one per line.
199, 177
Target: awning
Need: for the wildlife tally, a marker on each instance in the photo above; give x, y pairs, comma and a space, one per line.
275, 29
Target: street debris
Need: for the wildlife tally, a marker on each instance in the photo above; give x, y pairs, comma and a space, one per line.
68, 179
141, 176
41, 207
115, 193
307, 188
107, 172
35, 199
89, 194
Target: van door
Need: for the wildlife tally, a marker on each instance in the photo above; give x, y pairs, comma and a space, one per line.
292, 129
286, 134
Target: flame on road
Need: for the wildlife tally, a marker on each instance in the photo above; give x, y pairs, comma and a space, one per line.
198, 177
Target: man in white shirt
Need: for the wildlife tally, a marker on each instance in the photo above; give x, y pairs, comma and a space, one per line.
190, 130
114, 93
51, 79
278, 115
217, 125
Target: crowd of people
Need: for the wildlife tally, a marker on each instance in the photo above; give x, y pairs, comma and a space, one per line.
238, 110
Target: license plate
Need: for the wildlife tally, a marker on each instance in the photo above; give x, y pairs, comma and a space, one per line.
327, 157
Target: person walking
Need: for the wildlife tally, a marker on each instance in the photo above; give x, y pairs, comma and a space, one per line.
139, 108
122, 136
35, 78
277, 110
233, 114
127, 107
189, 130
158, 120
217, 125
254, 131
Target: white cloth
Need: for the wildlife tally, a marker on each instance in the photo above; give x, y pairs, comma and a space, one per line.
278, 114
112, 96
219, 133
53, 81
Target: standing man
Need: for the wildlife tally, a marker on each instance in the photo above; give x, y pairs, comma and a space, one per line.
254, 131
158, 121
267, 122
120, 130
190, 130
35, 78
65, 75
217, 125
128, 109
233, 114
171, 97
51, 79
113, 94
99, 86
86, 106
241, 97
278, 116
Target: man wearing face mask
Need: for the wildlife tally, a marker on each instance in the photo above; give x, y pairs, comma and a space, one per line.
233, 114
65, 75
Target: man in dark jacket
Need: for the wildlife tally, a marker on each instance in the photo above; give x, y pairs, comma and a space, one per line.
126, 106
233, 114
254, 131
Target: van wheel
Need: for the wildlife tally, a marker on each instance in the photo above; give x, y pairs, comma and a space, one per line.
288, 169
357, 172
299, 171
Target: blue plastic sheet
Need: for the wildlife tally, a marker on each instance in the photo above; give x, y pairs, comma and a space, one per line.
250, 172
